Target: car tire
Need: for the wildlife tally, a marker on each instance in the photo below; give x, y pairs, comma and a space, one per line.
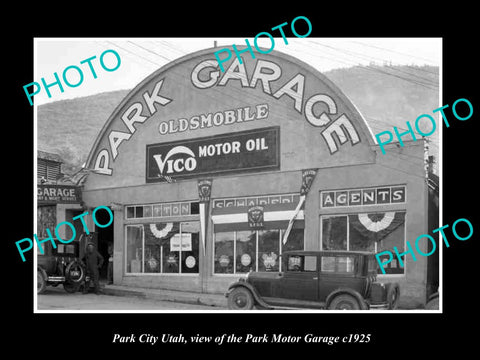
71, 287
393, 294
41, 281
344, 302
433, 302
74, 266
240, 299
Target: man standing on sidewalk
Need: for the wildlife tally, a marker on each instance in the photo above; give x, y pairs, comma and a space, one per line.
93, 261
110, 264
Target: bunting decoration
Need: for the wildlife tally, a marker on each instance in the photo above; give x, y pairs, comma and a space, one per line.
374, 227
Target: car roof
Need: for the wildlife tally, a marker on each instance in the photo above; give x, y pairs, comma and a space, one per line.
326, 252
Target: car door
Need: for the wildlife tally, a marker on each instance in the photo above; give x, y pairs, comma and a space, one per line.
336, 271
299, 281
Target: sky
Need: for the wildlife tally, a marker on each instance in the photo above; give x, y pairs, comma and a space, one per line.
140, 57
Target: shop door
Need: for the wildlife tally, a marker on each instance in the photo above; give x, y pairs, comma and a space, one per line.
104, 239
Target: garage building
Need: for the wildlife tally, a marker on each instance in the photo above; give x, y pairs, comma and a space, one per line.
205, 170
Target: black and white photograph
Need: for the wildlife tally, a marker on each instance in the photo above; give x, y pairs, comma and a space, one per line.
258, 185
280, 188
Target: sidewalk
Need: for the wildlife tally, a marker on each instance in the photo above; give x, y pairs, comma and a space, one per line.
214, 300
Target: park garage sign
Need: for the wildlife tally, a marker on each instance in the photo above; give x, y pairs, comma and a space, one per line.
322, 108
252, 150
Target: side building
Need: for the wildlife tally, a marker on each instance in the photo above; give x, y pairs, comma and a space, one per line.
58, 198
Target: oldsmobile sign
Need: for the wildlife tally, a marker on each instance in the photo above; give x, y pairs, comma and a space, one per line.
252, 150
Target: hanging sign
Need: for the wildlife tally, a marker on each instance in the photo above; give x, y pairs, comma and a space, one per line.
307, 180
255, 217
204, 190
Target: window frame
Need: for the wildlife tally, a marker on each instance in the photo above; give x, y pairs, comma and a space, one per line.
304, 256
235, 273
354, 264
143, 273
325, 216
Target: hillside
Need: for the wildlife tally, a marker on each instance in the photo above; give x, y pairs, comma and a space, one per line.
69, 127
385, 100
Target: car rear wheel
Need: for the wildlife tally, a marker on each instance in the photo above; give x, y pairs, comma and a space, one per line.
344, 302
41, 281
71, 287
240, 299
393, 295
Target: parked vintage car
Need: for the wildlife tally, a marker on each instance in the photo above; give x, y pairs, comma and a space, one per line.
59, 266
338, 280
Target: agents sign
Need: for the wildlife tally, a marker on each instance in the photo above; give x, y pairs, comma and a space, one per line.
253, 150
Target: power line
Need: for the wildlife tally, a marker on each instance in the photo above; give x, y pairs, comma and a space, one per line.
394, 51
144, 58
151, 51
417, 68
355, 54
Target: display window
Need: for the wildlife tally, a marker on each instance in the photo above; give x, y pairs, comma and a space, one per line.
163, 248
238, 252
373, 232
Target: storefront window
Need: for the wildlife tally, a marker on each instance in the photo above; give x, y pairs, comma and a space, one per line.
253, 250
134, 249
246, 250
224, 248
190, 242
294, 242
168, 248
358, 241
395, 238
268, 250
334, 233
374, 232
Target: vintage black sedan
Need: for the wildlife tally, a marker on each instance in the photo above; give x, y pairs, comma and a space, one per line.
335, 280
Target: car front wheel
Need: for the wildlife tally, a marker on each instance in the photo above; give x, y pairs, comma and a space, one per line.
41, 281
344, 302
71, 287
240, 299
